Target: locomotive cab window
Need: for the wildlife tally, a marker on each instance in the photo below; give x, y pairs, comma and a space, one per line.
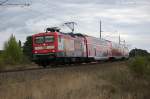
39, 40
49, 38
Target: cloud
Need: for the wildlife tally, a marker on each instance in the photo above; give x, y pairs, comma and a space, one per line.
130, 18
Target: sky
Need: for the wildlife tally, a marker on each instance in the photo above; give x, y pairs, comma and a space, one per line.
128, 18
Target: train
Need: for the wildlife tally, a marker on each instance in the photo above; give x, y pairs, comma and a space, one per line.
54, 46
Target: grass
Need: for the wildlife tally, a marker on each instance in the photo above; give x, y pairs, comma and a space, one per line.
106, 81
26, 63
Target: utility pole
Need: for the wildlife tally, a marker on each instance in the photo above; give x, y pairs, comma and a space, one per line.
100, 26
119, 38
124, 42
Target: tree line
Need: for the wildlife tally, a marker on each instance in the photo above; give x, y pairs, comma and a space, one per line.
138, 52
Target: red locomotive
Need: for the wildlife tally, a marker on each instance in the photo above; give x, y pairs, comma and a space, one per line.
54, 46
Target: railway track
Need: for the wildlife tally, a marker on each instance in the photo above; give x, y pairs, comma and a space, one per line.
55, 66
52, 67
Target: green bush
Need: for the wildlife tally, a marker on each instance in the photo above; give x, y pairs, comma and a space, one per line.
1, 61
140, 66
12, 52
148, 58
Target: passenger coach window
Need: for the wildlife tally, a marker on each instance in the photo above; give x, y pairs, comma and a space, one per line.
49, 38
59, 38
39, 40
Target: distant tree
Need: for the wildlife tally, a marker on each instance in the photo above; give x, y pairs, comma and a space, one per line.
138, 52
12, 52
19, 43
27, 48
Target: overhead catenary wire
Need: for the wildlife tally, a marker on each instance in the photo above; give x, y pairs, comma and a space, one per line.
7, 3
3, 2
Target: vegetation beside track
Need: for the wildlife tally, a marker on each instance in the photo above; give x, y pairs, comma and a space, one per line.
99, 81
139, 63
12, 54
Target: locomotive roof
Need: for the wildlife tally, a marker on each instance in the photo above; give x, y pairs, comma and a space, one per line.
41, 34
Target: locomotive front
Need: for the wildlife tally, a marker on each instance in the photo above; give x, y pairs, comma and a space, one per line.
44, 46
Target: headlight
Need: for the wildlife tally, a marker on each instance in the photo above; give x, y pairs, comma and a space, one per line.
38, 48
50, 47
